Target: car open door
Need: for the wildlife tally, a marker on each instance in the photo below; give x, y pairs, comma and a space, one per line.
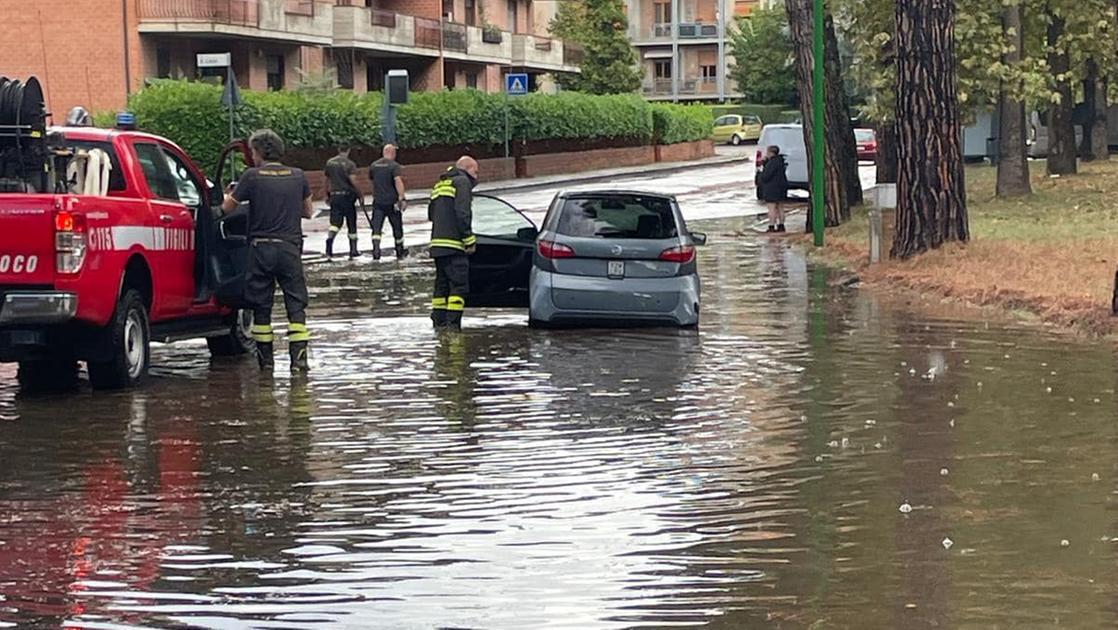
227, 237
506, 242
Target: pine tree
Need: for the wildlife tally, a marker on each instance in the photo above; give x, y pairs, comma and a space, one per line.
931, 189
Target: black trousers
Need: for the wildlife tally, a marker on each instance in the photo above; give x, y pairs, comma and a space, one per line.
271, 263
395, 218
452, 285
343, 209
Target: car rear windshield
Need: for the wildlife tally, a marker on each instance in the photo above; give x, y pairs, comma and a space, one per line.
618, 216
863, 135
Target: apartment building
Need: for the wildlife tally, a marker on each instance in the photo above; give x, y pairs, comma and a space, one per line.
683, 46
95, 52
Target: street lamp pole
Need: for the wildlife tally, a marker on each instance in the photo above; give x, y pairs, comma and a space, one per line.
818, 122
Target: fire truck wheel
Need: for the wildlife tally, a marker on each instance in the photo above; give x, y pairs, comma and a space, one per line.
239, 340
129, 339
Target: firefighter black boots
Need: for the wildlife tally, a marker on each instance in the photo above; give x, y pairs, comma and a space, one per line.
401, 251
376, 249
265, 356
299, 359
330, 246
353, 253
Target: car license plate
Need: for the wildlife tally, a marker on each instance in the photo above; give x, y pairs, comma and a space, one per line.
616, 269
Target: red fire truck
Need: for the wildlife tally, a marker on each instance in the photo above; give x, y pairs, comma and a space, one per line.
110, 239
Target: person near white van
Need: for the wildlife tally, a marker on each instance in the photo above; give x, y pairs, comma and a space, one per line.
773, 187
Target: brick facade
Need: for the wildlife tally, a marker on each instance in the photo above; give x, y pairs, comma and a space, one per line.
76, 48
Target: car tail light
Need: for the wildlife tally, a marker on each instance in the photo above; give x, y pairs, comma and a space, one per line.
553, 250
69, 241
682, 254
760, 159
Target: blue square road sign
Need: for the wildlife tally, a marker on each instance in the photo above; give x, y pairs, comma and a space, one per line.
516, 84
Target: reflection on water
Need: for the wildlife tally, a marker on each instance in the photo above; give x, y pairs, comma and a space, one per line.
748, 476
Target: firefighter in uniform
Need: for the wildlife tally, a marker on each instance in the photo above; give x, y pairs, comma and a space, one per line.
388, 200
452, 241
344, 196
279, 197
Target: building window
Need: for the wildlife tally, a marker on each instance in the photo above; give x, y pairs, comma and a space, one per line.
471, 80
448, 10
662, 69
662, 11
709, 72
275, 72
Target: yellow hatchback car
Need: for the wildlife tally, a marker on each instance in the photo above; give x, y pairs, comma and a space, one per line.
737, 129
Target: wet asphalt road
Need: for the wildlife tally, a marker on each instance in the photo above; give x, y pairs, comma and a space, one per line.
748, 475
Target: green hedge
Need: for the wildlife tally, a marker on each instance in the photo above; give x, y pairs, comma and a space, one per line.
571, 115
191, 114
681, 123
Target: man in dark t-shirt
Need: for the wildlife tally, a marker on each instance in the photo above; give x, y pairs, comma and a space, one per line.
388, 200
343, 194
279, 198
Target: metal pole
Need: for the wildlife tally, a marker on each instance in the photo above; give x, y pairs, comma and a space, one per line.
506, 122
819, 120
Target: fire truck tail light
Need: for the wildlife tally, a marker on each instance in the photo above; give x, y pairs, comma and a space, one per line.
69, 242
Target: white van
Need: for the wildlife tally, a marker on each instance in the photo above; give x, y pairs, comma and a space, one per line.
790, 139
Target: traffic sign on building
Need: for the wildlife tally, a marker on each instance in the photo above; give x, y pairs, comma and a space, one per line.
516, 83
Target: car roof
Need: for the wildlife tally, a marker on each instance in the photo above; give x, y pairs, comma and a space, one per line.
567, 194
784, 126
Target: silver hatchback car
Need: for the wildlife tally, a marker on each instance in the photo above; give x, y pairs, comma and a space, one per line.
600, 257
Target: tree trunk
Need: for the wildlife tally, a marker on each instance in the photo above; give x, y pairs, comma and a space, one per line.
836, 197
931, 189
1061, 128
1013, 158
1096, 140
887, 153
840, 132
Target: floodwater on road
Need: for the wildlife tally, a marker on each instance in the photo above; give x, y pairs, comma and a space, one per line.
812, 457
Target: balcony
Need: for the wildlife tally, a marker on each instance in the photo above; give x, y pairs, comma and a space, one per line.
541, 53
358, 27
698, 30
296, 21
689, 87
455, 37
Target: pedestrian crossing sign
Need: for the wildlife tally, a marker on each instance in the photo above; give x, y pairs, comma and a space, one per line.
516, 84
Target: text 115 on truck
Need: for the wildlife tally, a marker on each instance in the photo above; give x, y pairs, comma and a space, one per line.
110, 239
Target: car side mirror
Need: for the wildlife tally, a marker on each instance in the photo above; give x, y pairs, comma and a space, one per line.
699, 238
527, 234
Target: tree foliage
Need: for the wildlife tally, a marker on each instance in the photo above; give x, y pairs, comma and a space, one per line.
762, 53
600, 27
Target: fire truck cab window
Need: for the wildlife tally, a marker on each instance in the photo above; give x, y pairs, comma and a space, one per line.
156, 171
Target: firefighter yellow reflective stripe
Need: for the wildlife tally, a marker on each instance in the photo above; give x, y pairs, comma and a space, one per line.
469, 240
445, 188
262, 334
438, 304
334, 229
298, 332
353, 237
376, 237
448, 242
455, 303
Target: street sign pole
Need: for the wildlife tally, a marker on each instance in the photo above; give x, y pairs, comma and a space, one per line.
516, 84
818, 121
